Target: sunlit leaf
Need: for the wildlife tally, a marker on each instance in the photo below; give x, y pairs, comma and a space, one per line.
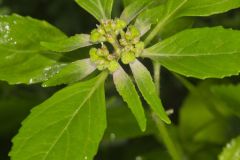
148, 90
22, 58
214, 52
69, 125
127, 90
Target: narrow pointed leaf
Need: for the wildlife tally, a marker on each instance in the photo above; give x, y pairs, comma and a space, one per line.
146, 86
20, 48
100, 9
214, 53
67, 126
126, 89
134, 9
68, 44
71, 73
231, 151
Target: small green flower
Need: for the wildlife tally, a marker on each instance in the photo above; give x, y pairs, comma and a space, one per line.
113, 66
128, 57
96, 36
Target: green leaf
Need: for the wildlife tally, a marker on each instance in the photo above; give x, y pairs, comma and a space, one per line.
134, 9
201, 53
71, 73
100, 9
146, 86
207, 7
22, 58
127, 90
231, 151
68, 44
229, 95
69, 125
172, 9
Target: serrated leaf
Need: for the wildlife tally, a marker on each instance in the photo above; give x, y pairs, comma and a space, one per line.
172, 9
100, 9
68, 44
69, 125
231, 151
214, 53
126, 89
134, 9
207, 7
71, 73
22, 58
146, 86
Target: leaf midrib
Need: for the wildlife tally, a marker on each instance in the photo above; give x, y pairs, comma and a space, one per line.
189, 54
100, 80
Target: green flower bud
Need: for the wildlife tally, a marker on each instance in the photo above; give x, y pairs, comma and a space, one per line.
128, 57
120, 24
110, 38
101, 30
134, 31
95, 36
103, 52
93, 54
101, 67
113, 66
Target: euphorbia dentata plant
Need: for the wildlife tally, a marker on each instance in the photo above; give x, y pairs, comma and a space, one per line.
71, 123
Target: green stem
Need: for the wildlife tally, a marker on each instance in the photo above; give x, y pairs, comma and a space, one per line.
163, 131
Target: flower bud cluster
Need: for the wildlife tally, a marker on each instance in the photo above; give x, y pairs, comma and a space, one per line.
103, 59
126, 44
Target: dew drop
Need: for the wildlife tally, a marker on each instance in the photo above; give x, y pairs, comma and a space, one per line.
139, 158
85, 157
30, 81
112, 136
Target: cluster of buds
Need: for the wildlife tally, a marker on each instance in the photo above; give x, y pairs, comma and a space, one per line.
126, 44
132, 47
103, 59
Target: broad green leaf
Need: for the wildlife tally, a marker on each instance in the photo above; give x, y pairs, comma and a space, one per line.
22, 58
69, 125
146, 86
68, 44
100, 9
207, 7
173, 9
134, 9
231, 151
201, 53
71, 73
229, 95
127, 90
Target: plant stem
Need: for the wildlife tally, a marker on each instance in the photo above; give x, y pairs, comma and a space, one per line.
163, 131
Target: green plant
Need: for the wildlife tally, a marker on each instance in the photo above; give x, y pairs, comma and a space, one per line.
71, 124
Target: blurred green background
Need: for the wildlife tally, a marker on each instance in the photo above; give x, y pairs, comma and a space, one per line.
200, 131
